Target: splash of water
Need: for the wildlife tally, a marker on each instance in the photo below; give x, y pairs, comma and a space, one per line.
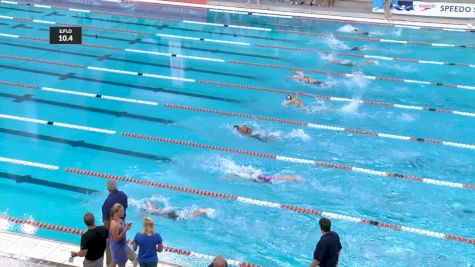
358, 79
327, 57
28, 228
299, 134
5, 225
227, 166
347, 28
144, 203
352, 107
407, 117
334, 43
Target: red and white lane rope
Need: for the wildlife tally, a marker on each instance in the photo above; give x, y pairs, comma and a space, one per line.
227, 113
246, 200
125, 72
275, 205
336, 20
49, 22
339, 99
342, 74
323, 97
57, 124
420, 61
289, 15
303, 161
232, 26
380, 40
69, 230
317, 51
409, 60
325, 127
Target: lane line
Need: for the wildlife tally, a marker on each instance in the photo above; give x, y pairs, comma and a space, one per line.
58, 124
324, 127
343, 74
302, 161
272, 205
373, 39
113, 98
339, 99
29, 163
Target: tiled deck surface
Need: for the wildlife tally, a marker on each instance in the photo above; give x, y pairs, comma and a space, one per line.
23, 250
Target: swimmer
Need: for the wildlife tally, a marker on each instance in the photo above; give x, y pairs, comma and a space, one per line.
299, 76
360, 32
358, 48
289, 100
349, 63
269, 178
244, 130
257, 177
152, 208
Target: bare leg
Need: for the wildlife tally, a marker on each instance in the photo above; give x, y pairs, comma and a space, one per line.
260, 138
387, 11
294, 178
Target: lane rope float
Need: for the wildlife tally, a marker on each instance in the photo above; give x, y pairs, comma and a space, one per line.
349, 75
303, 161
273, 205
339, 99
324, 127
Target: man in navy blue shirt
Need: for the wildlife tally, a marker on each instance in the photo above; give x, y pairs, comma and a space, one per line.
328, 248
115, 196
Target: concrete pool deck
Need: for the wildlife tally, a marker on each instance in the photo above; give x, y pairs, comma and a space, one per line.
24, 250
357, 11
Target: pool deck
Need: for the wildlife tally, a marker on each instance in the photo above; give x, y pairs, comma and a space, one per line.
343, 10
34, 251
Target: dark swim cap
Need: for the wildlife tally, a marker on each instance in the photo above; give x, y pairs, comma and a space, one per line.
288, 97
236, 127
172, 215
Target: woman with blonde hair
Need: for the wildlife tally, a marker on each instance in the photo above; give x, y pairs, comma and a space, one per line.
149, 243
118, 241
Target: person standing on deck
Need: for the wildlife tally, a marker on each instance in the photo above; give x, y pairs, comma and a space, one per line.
328, 249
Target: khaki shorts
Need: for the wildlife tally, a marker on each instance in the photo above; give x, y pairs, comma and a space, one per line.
96, 263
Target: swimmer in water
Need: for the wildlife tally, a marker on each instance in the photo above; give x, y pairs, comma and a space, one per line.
152, 208
349, 63
257, 177
289, 100
270, 178
244, 130
299, 76
358, 48
360, 32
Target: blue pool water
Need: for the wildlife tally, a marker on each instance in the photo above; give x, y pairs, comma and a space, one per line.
264, 236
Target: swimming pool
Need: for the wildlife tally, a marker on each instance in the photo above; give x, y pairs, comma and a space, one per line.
153, 96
